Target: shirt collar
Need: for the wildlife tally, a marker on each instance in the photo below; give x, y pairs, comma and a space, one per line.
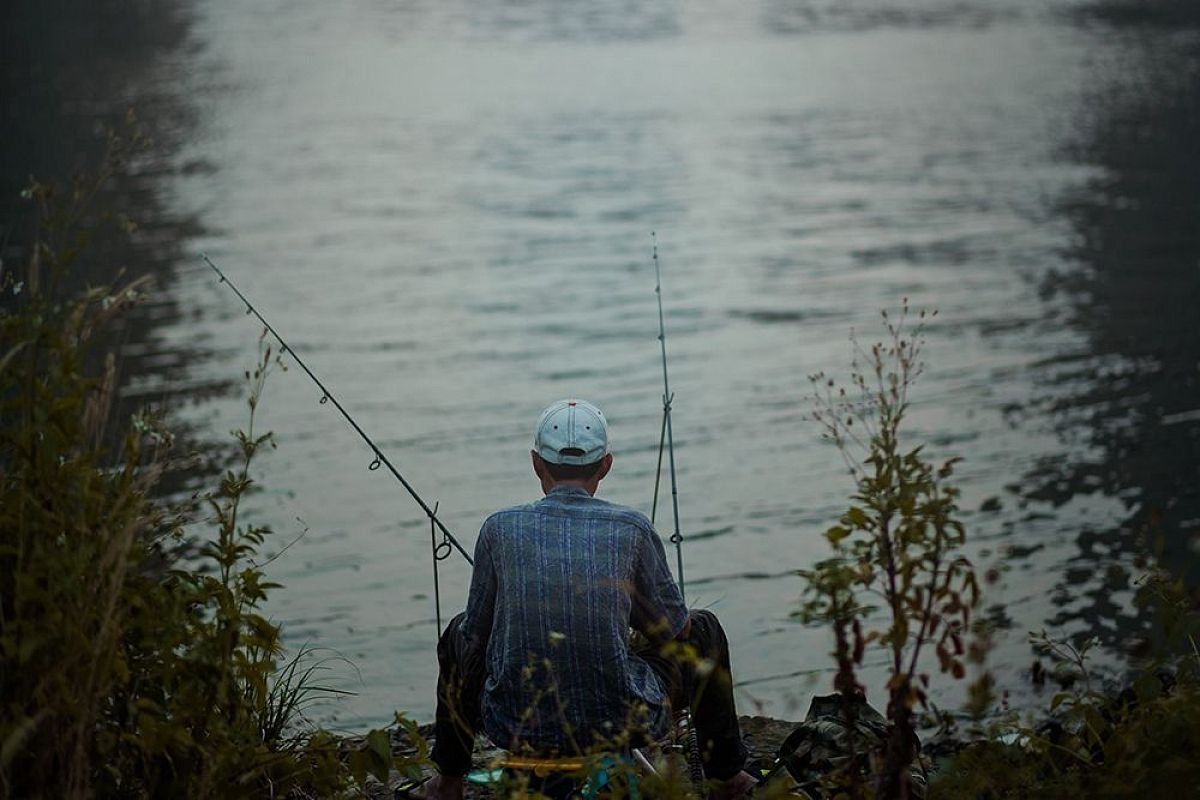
569, 490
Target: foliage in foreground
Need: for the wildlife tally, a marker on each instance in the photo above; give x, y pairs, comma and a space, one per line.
1096, 741
126, 671
899, 541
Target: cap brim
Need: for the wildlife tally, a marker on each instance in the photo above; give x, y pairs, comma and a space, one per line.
552, 456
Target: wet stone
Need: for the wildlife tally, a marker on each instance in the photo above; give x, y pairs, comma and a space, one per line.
762, 736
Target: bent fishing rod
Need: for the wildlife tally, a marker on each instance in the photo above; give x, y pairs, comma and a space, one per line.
442, 550
665, 433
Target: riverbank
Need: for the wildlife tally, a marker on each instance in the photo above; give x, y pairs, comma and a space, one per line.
761, 735
1124, 743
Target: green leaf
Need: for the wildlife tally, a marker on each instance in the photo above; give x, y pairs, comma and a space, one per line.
857, 517
381, 749
836, 534
359, 763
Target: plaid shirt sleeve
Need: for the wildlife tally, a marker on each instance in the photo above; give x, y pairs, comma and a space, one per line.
659, 612
481, 601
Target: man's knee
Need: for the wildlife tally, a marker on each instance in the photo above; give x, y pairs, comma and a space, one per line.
447, 645
707, 633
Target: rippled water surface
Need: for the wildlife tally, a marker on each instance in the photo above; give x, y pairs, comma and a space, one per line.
446, 208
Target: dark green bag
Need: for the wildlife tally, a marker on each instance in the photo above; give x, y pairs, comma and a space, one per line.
831, 742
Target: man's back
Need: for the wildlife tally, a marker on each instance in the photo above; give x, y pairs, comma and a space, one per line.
541, 657
556, 585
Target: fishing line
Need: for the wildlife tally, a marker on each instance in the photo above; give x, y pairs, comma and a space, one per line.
440, 549
665, 434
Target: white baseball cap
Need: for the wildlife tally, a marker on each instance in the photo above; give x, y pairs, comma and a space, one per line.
571, 432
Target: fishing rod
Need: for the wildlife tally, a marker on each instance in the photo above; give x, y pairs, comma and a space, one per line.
665, 432
440, 550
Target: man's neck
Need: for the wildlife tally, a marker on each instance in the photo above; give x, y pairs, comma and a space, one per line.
587, 486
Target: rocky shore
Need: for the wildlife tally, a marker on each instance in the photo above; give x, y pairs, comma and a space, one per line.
762, 735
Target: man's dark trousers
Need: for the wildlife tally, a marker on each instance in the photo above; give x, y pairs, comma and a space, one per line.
461, 676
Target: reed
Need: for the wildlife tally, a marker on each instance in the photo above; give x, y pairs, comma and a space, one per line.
128, 671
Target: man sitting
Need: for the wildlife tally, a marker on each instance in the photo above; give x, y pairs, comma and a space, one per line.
541, 659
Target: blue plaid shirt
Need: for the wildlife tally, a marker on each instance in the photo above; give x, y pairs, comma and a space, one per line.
556, 586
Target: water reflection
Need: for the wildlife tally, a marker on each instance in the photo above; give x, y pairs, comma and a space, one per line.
573, 20
73, 71
808, 16
1129, 404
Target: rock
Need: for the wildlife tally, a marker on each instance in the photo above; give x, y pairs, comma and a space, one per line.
762, 736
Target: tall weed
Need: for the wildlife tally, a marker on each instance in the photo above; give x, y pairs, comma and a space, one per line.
899, 542
125, 671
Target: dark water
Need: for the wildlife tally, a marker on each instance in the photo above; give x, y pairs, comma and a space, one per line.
77, 74
1135, 292
446, 208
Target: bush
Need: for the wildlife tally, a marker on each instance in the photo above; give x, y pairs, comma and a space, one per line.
1097, 741
127, 671
899, 541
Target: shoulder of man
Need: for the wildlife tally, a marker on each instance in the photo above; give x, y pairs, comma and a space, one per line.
636, 517
599, 505
498, 517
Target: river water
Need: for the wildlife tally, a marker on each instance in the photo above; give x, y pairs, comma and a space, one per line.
447, 206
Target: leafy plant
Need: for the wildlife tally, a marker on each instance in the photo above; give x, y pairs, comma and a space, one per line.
899, 542
74, 518
1095, 739
1137, 742
126, 671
